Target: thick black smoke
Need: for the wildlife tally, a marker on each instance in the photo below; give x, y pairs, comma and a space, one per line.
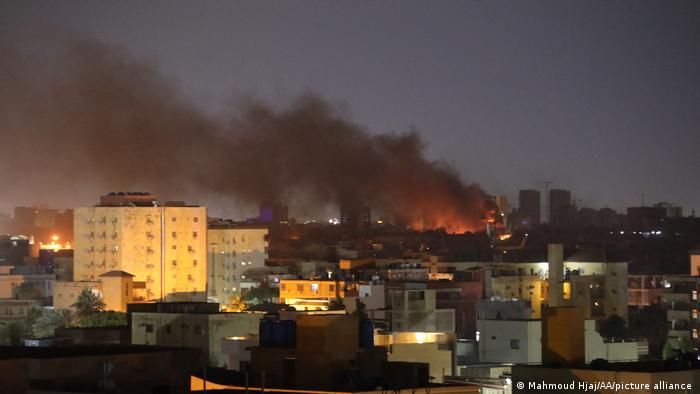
90, 114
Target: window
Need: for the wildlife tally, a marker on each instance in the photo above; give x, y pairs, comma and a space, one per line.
194, 234
515, 344
194, 263
416, 295
174, 234
196, 219
695, 314
168, 329
300, 288
174, 247
695, 333
174, 219
197, 329
283, 287
695, 295
149, 327
314, 287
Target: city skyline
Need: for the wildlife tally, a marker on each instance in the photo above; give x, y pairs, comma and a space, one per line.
596, 98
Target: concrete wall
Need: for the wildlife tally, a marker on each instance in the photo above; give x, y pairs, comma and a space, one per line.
201, 331
440, 360
510, 341
596, 347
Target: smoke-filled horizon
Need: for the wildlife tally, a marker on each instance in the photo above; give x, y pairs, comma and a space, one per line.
87, 117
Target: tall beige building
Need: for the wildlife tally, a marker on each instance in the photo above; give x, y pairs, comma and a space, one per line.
234, 251
162, 245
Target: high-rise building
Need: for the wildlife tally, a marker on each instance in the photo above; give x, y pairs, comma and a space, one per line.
529, 206
560, 207
273, 212
233, 251
355, 216
162, 245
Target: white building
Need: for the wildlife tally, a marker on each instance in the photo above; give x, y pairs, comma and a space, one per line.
233, 250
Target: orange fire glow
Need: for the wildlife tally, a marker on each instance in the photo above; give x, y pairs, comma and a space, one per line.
505, 236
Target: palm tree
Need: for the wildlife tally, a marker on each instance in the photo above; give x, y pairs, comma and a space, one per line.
88, 303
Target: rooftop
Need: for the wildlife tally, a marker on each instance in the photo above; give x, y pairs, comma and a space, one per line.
18, 352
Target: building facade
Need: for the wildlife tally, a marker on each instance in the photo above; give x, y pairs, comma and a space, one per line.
163, 246
232, 252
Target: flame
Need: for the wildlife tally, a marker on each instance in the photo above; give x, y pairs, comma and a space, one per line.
504, 236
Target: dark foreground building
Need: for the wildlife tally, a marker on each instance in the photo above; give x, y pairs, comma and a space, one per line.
106, 369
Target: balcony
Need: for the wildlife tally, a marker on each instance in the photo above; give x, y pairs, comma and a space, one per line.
677, 315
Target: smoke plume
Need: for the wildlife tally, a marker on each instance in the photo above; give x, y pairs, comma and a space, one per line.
86, 113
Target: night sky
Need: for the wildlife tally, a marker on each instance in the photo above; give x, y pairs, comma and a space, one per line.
601, 98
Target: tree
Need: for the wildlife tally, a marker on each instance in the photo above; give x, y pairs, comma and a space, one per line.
88, 303
235, 304
46, 324
360, 309
104, 319
684, 344
650, 323
13, 333
259, 295
336, 304
613, 327
669, 352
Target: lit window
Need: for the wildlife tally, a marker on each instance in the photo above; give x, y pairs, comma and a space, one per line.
695, 295
314, 287
695, 333
695, 314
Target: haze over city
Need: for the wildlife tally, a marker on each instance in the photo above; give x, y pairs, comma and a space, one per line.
453, 197
598, 98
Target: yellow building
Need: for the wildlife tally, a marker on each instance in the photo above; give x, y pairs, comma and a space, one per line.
162, 246
232, 252
309, 295
66, 293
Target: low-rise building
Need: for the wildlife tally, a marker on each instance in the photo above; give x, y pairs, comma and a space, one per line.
131, 369
415, 310
306, 295
197, 325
